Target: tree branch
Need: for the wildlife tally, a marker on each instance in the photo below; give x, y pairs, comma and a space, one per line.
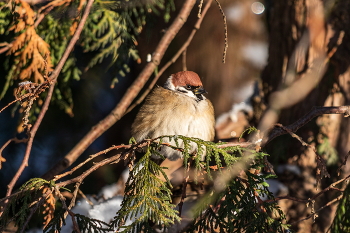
315, 112
53, 78
173, 59
131, 93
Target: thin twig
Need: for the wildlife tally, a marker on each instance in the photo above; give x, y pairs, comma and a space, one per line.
16, 140
128, 149
90, 170
241, 144
73, 41
296, 136
200, 9
184, 63
71, 204
315, 112
130, 95
42, 15
53, 77
85, 197
34, 209
68, 211
225, 29
113, 159
342, 164
321, 164
91, 157
4, 49
75, 224
315, 212
173, 59
75, 194
184, 186
330, 187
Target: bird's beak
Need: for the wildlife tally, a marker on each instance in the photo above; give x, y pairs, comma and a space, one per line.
199, 90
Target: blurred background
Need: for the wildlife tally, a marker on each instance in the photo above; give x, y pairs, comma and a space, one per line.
262, 37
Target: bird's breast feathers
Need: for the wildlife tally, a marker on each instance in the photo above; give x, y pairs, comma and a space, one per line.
166, 112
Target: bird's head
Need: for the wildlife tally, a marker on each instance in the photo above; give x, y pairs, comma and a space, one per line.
187, 83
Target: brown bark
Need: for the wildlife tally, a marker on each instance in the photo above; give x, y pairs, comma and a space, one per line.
289, 22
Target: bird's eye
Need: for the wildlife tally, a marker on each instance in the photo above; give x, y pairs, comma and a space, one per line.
188, 87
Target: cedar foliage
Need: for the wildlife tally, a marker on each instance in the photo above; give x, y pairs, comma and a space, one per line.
110, 34
147, 199
33, 50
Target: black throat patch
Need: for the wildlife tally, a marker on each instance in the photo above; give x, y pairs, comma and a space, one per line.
199, 97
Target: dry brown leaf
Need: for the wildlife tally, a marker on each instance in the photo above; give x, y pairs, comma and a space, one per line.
29, 13
31, 49
49, 207
73, 28
2, 160
81, 4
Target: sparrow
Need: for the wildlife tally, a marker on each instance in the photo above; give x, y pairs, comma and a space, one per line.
177, 108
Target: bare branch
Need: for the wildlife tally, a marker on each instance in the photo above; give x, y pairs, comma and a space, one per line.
2, 159
314, 214
53, 77
315, 112
89, 159
226, 33
131, 93
5, 48
34, 209
174, 58
343, 163
321, 164
184, 63
241, 144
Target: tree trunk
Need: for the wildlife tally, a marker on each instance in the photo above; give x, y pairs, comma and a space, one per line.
326, 28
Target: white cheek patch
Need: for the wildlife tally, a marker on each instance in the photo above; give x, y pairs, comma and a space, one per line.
169, 84
186, 92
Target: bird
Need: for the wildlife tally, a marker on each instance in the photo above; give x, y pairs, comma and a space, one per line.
177, 108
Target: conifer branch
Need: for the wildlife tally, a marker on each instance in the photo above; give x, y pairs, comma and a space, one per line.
131, 93
35, 208
53, 78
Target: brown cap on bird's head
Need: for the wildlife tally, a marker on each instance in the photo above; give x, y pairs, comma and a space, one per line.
184, 78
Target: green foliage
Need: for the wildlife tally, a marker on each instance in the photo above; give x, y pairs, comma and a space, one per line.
90, 225
5, 18
238, 208
249, 130
207, 150
23, 199
85, 224
112, 28
147, 198
55, 31
341, 222
327, 151
106, 30
109, 35
244, 204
